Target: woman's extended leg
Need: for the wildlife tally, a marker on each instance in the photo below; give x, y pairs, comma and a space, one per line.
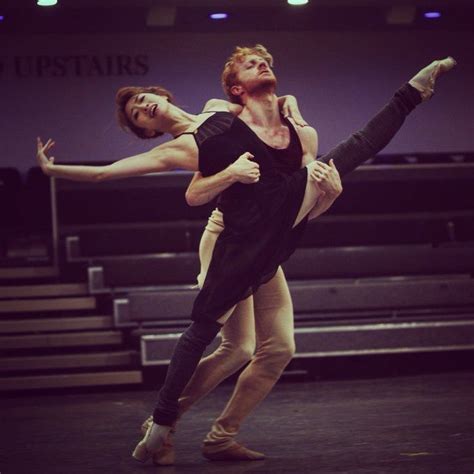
378, 132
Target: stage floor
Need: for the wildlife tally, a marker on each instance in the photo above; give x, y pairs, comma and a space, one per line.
411, 424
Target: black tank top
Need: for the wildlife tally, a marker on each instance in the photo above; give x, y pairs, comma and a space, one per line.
258, 230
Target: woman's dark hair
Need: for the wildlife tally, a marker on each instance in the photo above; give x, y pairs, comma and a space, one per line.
124, 94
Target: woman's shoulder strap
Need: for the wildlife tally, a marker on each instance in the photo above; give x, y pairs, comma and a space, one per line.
216, 124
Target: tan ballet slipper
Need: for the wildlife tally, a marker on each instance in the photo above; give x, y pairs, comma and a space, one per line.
233, 452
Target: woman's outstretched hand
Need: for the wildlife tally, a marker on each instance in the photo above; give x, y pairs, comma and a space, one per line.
289, 108
45, 162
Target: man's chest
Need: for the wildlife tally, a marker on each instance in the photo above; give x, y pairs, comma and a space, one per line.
278, 138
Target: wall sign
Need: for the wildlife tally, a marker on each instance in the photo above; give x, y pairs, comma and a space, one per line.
80, 66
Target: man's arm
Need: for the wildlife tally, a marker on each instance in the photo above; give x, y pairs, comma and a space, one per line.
203, 190
181, 153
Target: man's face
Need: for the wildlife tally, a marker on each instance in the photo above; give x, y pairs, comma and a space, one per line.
253, 74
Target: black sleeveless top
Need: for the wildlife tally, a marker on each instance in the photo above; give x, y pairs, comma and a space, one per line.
258, 218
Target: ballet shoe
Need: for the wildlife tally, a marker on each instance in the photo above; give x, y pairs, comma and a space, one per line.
147, 449
234, 452
425, 79
145, 425
165, 456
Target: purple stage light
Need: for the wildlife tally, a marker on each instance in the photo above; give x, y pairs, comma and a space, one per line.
432, 15
218, 16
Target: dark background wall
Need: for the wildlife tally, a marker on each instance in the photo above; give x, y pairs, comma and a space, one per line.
339, 77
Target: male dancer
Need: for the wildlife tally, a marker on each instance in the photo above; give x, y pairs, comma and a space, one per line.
246, 82
260, 375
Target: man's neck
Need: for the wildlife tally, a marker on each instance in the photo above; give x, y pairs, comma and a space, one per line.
261, 110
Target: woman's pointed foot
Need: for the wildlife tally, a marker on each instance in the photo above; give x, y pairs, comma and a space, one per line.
152, 443
424, 80
165, 456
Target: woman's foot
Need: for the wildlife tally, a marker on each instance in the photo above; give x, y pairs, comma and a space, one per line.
152, 443
424, 80
234, 452
165, 456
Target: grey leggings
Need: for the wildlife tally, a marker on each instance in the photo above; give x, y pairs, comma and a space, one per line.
347, 156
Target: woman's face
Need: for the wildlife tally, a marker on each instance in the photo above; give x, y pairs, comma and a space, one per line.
147, 111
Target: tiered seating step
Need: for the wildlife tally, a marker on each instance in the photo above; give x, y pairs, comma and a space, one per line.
55, 304
31, 291
68, 361
306, 263
76, 339
79, 323
128, 377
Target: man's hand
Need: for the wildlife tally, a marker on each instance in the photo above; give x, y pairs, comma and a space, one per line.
244, 170
326, 177
45, 162
289, 108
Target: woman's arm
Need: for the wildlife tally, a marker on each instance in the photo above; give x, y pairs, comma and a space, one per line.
203, 190
180, 153
330, 185
221, 105
287, 104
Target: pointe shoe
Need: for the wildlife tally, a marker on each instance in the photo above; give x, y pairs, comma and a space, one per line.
145, 425
165, 456
152, 443
235, 452
425, 79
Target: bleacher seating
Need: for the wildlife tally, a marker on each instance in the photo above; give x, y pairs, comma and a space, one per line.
389, 269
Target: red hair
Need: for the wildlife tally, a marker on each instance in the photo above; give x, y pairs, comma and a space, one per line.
229, 74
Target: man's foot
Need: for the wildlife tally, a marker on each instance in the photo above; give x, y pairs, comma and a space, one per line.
165, 456
235, 452
424, 80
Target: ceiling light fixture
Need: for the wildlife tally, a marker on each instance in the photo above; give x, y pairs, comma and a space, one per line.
432, 15
218, 16
297, 2
46, 3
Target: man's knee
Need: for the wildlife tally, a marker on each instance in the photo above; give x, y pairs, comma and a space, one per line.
238, 350
276, 357
285, 351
